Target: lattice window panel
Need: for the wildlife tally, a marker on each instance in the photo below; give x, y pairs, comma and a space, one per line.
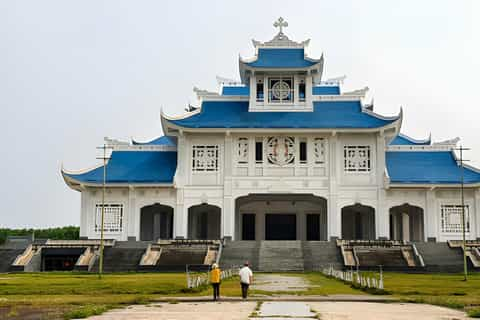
112, 219
451, 218
242, 151
280, 150
319, 151
205, 158
357, 158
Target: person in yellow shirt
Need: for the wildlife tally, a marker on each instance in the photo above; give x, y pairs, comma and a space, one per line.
215, 281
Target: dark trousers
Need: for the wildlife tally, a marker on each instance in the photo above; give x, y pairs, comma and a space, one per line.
216, 291
244, 290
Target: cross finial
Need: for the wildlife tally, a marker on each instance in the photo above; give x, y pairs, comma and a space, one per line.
280, 23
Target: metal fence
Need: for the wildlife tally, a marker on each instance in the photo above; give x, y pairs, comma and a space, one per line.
195, 280
355, 277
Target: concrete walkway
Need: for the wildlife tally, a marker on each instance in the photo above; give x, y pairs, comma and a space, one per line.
384, 311
283, 311
274, 282
182, 311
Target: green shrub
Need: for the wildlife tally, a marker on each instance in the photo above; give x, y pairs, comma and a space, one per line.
86, 311
60, 233
474, 313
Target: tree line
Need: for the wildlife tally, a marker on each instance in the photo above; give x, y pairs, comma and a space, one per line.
60, 233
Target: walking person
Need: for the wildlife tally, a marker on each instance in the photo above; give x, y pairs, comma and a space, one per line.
246, 278
215, 281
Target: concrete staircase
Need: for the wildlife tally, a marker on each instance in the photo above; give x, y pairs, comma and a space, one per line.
439, 257
387, 257
281, 256
237, 252
123, 257
320, 254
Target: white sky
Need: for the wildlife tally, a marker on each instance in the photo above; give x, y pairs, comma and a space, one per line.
74, 72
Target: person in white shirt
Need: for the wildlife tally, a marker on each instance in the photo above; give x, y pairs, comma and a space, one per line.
246, 279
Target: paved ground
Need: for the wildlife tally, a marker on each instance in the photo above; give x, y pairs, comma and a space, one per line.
283, 311
182, 311
273, 282
381, 311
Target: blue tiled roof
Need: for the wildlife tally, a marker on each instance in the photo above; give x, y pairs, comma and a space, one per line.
326, 114
133, 167
324, 90
160, 141
403, 140
281, 58
235, 91
426, 167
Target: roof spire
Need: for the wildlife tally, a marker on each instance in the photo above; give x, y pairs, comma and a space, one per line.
280, 23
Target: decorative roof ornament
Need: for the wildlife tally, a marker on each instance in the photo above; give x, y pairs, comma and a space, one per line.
359, 92
281, 40
228, 82
204, 93
280, 23
450, 142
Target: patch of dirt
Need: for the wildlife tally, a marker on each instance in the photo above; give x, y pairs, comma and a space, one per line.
31, 313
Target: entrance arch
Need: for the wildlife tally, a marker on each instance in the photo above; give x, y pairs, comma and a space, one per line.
406, 223
281, 217
358, 222
204, 222
156, 222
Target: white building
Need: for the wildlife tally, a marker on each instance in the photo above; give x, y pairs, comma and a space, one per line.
282, 154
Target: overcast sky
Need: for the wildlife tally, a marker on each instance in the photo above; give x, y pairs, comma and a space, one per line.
72, 72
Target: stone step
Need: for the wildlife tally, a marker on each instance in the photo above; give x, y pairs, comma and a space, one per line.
281, 256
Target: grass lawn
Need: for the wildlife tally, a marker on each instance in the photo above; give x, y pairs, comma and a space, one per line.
72, 295
441, 289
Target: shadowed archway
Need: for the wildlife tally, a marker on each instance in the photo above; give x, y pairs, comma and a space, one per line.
156, 222
358, 222
204, 222
406, 223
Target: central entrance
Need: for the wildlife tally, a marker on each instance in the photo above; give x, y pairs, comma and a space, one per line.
281, 217
280, 227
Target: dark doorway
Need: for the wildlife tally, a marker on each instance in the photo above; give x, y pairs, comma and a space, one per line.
156, 222
358, 222
204, 222
406, 223
280, 227
248, 226
60, 259
313, 227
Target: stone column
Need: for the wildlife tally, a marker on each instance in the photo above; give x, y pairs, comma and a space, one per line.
430, 216
133, 221
180, 217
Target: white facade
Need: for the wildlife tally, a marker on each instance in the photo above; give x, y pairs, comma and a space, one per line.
239, 176
316, 172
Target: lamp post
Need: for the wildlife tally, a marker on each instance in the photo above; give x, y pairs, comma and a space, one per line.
462, 185
102, 224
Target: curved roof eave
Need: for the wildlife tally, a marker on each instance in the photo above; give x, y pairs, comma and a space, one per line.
243, 66
396, 123
78, 185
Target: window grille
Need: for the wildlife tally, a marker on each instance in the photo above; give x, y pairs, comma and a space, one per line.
112, 218
280, 90
205, 158
451, 218
242, 151
319, 150
357, 158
